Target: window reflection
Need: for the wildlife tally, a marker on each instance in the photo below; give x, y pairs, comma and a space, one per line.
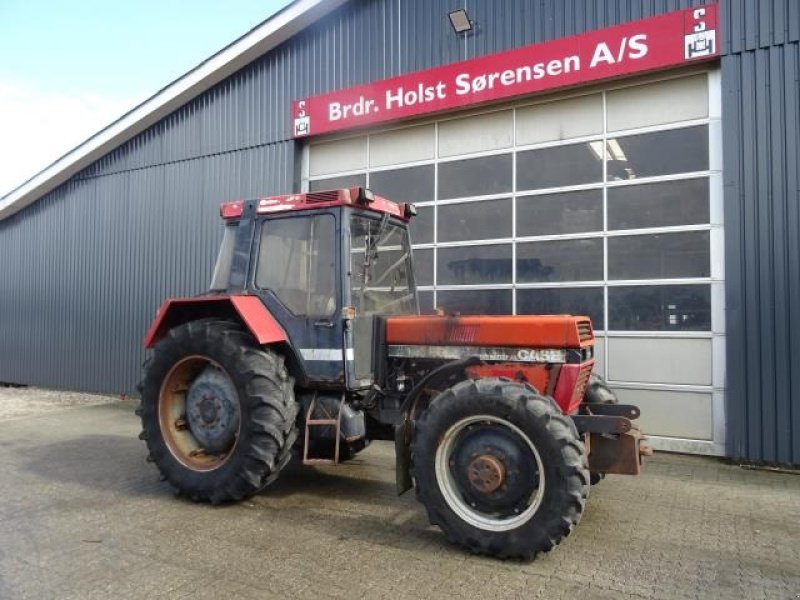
338, 183
566, 212
474, 265
660, 256
414, 184
426, 303
558, 301
660, 308
421, 226
490, 219
475, 177
560, 260
573, 164
475, 302
663, 204
423, 266
657, 153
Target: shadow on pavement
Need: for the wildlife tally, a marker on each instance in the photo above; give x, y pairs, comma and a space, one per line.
103, 462
346, 481
117, 463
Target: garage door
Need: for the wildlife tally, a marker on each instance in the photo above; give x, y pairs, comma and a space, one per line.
606, 203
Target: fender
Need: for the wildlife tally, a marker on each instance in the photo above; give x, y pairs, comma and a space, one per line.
404, 431
249, 310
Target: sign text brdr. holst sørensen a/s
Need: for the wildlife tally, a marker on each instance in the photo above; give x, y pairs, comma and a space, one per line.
660, 42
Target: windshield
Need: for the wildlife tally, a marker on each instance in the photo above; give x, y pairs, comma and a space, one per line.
380, 267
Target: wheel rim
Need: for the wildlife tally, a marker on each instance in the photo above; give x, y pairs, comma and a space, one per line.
490, 473
199, 413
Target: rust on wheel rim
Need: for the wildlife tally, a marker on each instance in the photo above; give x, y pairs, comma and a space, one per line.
487, 473
176, 426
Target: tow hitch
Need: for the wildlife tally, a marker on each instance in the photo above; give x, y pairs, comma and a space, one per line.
613, 443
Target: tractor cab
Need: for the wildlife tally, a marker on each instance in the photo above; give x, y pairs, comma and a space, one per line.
323, 264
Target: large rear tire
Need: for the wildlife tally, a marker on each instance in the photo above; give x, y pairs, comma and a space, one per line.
218, 411
499, 468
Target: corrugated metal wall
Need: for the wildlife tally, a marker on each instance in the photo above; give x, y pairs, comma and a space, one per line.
82, 270
761, 129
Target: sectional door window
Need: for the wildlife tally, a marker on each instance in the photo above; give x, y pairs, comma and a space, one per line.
606, 203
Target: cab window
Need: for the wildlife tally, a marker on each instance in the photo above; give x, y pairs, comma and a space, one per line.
380, 264
296, 261
222, 270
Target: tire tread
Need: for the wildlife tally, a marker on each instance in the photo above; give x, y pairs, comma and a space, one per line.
268, 408
515, 399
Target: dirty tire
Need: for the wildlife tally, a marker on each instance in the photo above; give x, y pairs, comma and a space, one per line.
264, 392
521, 410
598, 392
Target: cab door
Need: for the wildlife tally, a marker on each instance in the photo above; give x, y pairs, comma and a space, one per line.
295, 274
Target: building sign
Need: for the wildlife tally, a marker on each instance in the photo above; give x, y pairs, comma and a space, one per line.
667, 40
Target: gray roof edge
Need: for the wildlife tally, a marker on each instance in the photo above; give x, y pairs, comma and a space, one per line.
258, 41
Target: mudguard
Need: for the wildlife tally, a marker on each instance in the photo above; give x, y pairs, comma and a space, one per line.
249, 310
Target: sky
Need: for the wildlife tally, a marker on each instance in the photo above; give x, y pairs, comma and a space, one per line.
68, 68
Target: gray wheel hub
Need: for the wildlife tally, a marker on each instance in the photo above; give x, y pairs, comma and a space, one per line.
212, 410
490, 473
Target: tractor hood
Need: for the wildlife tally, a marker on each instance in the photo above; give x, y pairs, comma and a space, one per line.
540, 331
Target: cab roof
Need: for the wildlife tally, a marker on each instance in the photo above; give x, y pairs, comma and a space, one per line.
355, 196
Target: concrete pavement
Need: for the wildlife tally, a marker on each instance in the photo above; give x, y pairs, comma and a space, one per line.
82, 515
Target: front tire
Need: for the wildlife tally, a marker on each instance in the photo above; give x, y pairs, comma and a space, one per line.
218, 411
598, 392
499, 468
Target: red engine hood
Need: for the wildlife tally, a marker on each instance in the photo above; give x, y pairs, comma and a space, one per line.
537, 331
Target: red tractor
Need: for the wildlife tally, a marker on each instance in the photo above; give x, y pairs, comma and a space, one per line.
310, 342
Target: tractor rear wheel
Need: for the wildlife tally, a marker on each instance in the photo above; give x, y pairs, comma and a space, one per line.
499, 468
218, 411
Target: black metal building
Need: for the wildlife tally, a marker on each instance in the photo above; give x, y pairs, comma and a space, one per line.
90, 246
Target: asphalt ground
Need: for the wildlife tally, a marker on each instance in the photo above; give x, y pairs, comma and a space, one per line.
82, 515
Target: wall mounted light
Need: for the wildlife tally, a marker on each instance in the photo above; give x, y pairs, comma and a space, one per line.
459, 19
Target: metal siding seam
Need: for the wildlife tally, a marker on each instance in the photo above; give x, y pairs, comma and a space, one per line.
764, 206
376, 42
125, 351
779, 241
750, 250
93, 293
765, 23
518, 23
793, 21
558, 19
608, 13
569, 18
751, 27
733, 16
736, 402
548, 16
779, 23
792, 199
538, 24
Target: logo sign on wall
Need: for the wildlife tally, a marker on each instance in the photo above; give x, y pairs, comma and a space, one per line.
660, 42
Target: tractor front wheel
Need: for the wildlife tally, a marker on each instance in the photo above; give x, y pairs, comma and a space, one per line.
499, 468
598, 392
218, 411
